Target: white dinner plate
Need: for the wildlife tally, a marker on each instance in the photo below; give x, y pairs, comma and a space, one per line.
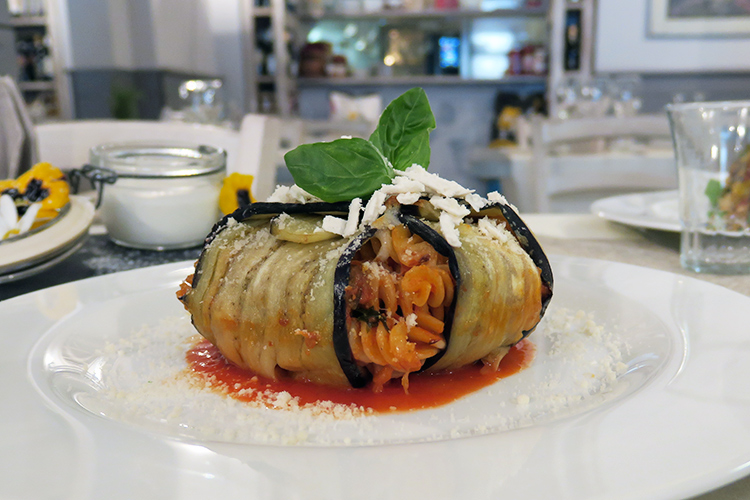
19, 256
652, 210
672, 422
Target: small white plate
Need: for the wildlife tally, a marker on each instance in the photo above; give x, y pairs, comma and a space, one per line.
674, 425
652, 210
45, 264
36, 249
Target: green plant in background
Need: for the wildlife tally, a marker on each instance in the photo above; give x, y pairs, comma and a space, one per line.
124, 102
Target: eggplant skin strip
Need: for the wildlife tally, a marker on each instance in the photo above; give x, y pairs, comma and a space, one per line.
357, 376
441, 246
268, 304
530, 244
252, 295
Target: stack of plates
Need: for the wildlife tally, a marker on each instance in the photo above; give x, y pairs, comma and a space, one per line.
33, 252
654, 210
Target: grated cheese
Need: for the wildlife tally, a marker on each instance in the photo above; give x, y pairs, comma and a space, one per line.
496, 197
450, 206
292, 194
334, 225
408, 198
494, 229
409, 186
475, 201
411, 320
449, 227
282, 220
436, 184
145, 382
374, 208
402, 185
355, 207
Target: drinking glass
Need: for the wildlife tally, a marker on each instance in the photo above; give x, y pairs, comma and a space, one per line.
712, 149
203, 101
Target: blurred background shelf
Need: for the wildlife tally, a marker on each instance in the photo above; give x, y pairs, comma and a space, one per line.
28, 53
438, 14
28, 21
418, 80
270, 43
37, 86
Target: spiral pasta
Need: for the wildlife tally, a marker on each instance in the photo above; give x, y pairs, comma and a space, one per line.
399, 289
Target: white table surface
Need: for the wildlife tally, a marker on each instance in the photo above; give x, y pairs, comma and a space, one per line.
584, 235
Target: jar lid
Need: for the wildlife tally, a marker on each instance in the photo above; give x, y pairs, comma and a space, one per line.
150, 160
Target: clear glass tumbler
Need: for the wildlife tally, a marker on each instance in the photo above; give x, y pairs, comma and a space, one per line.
712, 148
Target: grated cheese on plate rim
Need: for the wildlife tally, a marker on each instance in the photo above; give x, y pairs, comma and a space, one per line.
145, 382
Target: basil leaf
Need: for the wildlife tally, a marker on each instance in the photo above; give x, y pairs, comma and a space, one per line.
403, 132
340, 170
713, 191
369, 316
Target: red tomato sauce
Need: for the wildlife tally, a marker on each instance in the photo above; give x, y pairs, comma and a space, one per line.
426, 390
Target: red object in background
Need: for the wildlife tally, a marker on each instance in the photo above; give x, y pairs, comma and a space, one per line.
338, 67
528, 60
446, 4
314, 58
514, 62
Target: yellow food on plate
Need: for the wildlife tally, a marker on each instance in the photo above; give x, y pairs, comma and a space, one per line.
236, 192
32, 199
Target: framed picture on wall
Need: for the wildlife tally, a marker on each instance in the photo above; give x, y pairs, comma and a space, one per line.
699, 18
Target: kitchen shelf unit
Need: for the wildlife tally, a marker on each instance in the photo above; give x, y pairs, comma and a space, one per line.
269, 61
399, 14
433, 22
418, 80
288, 25
37, 86
52, 89
28, 21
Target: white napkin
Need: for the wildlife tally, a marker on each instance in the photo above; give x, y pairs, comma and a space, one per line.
17, 137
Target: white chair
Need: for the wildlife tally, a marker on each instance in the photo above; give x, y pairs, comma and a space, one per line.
250, 150
564, 176
296, 131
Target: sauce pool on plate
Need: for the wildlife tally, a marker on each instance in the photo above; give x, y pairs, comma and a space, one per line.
426, 390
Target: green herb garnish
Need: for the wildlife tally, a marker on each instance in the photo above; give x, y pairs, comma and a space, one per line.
713, 191
340, 170
403, 133
369, 316
345, 169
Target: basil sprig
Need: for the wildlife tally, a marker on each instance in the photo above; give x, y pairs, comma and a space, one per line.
339, 170
345, 169
403, 133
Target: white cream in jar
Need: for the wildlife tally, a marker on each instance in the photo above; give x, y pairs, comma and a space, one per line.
163, 196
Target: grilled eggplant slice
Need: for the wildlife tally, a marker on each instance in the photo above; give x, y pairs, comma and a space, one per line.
300, 307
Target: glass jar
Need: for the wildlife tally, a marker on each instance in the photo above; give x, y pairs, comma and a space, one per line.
158, 196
